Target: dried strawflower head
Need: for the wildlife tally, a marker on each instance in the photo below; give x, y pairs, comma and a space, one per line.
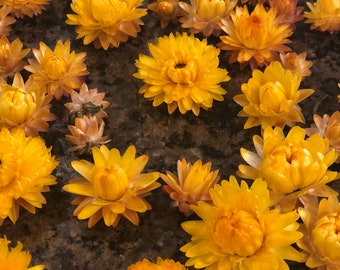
86, 133
254, 38
240, 231
205, 15
106, 23
21, 8
167, 264
292, 166
270, 98
183, 72
24, 105
15, 258
5, 20
11, 56
296, 63
287, 11
191, 185
59, 71
112, 187
324, 15
26, 165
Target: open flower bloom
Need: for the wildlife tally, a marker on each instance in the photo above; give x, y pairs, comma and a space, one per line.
205, 15
106, 23
112, 187
59, 71
270, 98
191, 185
324, 15
254, 38
296, 63
26, 165
5, 20
160, 264
287, 11
15, 258
240, 231
292, 166
182, 72
21, 8
24, 105
321, 229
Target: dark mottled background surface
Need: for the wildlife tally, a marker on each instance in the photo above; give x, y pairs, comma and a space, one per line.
60, 241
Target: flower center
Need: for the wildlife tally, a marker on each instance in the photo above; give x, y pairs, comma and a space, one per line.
166, 8
181, 72
253, 32
210, 9
272, 97
7, 172
55, 67
108, 12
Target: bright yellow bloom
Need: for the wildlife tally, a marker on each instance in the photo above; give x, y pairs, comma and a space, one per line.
16, 258
254, 38
59, 71
240, 231
106, 23
161, 264
182, 72
324, 15
270, 98
112, 187
25, 171
296, 63
321, 229
292, 166
22, 8
5, 20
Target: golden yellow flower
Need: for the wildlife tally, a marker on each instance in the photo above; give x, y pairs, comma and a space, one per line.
24, 105
59, 71
5, 20
296, 63
270, 98
205, 15
25, 171
292, 166
324, 15
15, 258
254, 38
11, 56
112, 187
167, 264
182, 72
22, 8
191, 185
321, 226
106, 23
240, 231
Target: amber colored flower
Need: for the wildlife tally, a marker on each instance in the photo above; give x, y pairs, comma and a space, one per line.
324, 15
5, 20
24, 105
240, 231
167, 264
254, 38
106, 23
182, 72
270, 98
296, 63
191, 185
205, 15
11, 56
112, 187
287, 11
26, 165
292, 166
15, 258
22, 8
59, 71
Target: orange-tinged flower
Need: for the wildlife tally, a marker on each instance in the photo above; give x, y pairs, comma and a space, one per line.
106, 23
240, 231
292, 166
15, 258
270, 98
111, 187
254, 38
182, 72
59, 71
191, 185
22, 8
287, 11
167, 264
25, 171
5, 20
296, 63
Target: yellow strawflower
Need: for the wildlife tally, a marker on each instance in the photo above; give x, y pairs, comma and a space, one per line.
240, 231
182, 72
106, 23
111, 187
167, 264
21, 8
26, 165
270, 98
